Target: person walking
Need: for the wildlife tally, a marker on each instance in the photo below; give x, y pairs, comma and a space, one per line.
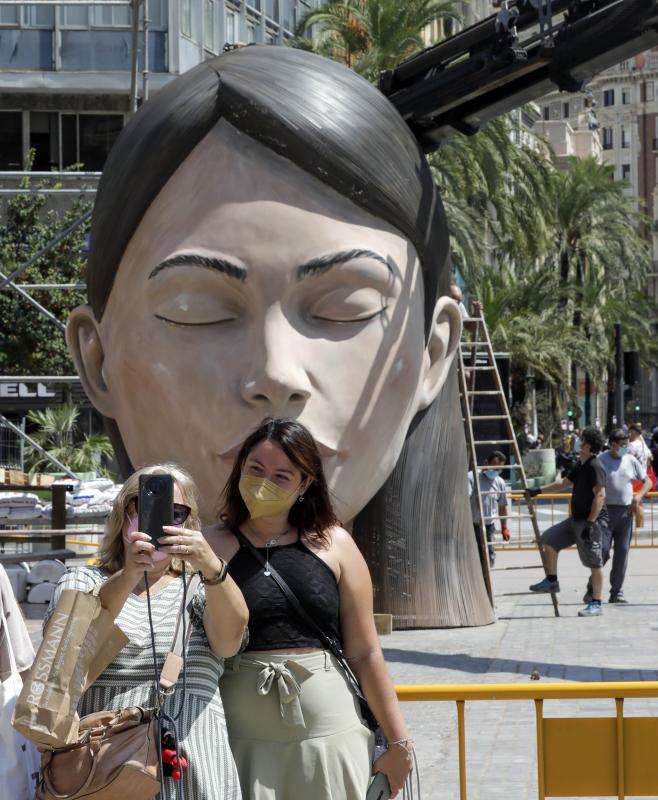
586, 527
493, 491
622, 469
294, 721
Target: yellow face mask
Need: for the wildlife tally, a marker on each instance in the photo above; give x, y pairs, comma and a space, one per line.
264, 498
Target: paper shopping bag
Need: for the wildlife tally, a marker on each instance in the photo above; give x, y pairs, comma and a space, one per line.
79, 641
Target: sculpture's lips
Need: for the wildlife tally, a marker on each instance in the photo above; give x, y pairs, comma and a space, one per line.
228, 455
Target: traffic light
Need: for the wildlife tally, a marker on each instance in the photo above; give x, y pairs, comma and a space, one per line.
637, 408
570, 413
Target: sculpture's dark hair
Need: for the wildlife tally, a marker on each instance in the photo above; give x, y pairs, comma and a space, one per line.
340, 129
314, 516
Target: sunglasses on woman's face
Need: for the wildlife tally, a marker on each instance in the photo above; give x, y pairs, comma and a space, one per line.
181, 511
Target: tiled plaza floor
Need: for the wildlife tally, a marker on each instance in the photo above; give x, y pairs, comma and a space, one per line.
622, 645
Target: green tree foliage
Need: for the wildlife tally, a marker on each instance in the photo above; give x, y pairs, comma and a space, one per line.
31, 343
58, 434
555, 257
369, 35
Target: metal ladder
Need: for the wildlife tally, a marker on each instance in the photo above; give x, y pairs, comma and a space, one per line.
476, 356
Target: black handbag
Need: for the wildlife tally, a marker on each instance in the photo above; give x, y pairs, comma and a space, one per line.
329, 642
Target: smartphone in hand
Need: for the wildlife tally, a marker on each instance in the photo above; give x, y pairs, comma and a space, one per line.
379, 788
155, 506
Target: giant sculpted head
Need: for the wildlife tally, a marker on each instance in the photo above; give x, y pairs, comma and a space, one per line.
267, 241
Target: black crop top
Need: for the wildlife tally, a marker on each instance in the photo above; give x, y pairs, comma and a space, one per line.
273, 623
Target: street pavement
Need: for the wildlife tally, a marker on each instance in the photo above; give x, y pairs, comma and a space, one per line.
622, 645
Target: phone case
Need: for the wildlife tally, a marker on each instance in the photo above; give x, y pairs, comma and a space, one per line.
379, 788
156, 504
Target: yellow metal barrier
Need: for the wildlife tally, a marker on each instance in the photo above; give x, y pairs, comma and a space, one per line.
619, 761
552, 508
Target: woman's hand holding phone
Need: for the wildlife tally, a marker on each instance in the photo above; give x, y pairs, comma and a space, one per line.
191, 546
138, 553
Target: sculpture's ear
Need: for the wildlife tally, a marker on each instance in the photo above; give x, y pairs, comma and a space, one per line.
442, 344
86, 348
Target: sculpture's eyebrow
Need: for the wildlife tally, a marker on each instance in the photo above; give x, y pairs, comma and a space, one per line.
324, 263
205, 262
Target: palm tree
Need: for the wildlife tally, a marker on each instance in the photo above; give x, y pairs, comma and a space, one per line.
372, 35
496, 195
596, 234
57, 434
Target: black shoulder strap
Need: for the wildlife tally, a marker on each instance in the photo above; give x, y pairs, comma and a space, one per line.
329, 643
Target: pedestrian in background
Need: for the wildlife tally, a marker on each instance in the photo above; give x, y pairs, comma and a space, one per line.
587, 525
621, 469
493, 491
638, 447
456, 294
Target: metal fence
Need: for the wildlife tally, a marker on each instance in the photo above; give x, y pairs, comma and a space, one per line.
553, 508
610, 756
11, 447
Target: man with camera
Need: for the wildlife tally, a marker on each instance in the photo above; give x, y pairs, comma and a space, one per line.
587, 525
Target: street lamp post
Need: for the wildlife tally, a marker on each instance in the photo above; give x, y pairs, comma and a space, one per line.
619, 376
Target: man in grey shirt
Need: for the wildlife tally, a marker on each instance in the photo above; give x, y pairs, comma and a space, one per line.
622, 469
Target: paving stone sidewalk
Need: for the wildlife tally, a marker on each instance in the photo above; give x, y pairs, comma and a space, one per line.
622, 645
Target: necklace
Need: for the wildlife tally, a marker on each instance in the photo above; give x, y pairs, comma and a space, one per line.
272, 543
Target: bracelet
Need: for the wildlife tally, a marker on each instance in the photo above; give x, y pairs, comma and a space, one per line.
405, 744
220, 577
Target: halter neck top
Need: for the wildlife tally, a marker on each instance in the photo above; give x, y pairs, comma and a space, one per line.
273, 623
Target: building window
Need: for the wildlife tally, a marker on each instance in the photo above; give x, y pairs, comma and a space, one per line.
251, 32
230, 26
186, 18
626, 172
625, 96
272, 9
74, 17
565, 110
11, 140
158, 14
69, 139
39, 17
96, 135
210, 25
649, 91
607, 139
9, 15
44, 140
609, 97
113, 16
547, 113
625, 139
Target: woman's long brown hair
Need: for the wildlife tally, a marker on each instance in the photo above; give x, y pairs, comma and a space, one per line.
313, 516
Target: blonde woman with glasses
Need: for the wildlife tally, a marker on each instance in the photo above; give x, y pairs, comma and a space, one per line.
219, 616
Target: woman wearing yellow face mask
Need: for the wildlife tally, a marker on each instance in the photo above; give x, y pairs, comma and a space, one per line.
294, 722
